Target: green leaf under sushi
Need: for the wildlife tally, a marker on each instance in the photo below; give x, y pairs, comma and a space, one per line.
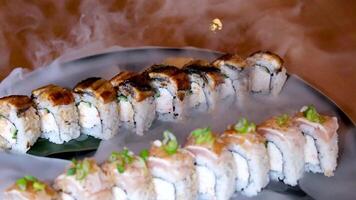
43, 147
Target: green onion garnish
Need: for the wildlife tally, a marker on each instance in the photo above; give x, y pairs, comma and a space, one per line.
113, 156
243, 126
144, 154
120, 168
282, 119
21, 183
14, 132
71, 171
30, 178
87, 104
312, 115
122, 98
127, 156
79, 168
36, 184
74, 161
122, 159
157, 94
80, 175
82, 169
203, 135
170, 144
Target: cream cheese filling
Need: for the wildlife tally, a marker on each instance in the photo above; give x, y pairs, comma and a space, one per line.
48, 122
275, 158
88, 115
164, 102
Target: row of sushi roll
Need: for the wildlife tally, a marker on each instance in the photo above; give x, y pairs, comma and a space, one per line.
244, 158
99, 107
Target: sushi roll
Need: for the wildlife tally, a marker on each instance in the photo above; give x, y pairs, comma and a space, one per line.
250, 156
30, 188
321, 148
285, 147
19, 123
267, 75
98, 110
214, 164
136, 101
208, 85
172, 169
83, 180
130, 176
172, 87
58, 114
235, 68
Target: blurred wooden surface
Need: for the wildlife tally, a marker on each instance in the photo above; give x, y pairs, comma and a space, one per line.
316, 38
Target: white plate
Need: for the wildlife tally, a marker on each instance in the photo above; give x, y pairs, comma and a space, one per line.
295, 94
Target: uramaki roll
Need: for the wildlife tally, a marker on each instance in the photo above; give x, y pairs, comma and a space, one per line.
173, 170
97, 107
172, 87
250, 156
59, 116
267, 74
135, 97
214, 164
321, 148
285, 147
20, 125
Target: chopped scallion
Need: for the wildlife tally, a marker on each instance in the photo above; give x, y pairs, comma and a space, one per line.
170, 143
203, 135
243, 126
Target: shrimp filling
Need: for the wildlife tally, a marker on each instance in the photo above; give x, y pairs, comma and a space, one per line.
126, 111
88, 115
